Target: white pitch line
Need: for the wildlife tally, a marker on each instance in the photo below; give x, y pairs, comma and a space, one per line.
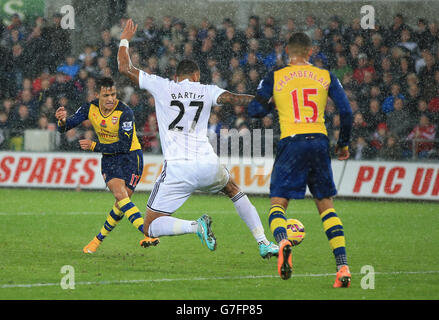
73, 213
32, 285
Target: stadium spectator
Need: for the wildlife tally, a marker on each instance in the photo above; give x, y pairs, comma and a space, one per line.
43, 122
150, 135
389, 102
69, 67
275, 58
412, 97
374, 116
147, 38
426, 75
399, 121
408, 43
341, 68
140, 110
34, 52
422, 137
433, 106
214, 126
18, 122
379, 137
3, 130
363, 67
424, 37
318, 54
361, 149
310, 26
391, 150
58, 40
26, 98
360, 128
89, 51
290, 27
69, 141
396, 29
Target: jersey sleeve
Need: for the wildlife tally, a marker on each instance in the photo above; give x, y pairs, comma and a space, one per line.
154, 84
126, 130
260, 106
338, 95
76, 119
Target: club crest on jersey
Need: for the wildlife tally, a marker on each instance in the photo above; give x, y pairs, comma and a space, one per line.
103, 124
114, 120
127, 126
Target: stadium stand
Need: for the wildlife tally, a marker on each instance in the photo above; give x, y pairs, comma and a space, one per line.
391, 76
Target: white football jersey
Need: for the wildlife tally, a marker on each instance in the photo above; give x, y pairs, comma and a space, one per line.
183, 111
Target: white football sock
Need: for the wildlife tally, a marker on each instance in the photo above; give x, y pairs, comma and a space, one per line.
170, 226
248, 213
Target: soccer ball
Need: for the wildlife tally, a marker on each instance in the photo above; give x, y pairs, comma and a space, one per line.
295, 231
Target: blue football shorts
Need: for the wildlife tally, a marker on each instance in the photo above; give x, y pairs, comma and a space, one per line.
125, 166
302, 160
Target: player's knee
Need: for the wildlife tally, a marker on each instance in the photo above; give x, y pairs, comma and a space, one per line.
149, 218
120, 195
231, 188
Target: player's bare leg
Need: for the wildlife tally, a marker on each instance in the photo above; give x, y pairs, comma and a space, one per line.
334, 230
250, 216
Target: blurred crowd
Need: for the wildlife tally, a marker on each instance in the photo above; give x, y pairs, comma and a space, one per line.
390, 74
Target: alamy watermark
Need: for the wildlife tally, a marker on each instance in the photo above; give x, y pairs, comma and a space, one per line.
368, 280
68, 18
67, 281
368, 17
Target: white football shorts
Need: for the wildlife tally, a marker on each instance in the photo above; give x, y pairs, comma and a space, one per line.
180, 178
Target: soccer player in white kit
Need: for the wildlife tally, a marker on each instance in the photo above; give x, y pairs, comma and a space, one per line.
183, 109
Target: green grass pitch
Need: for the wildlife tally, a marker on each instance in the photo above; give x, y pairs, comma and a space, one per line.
43, 230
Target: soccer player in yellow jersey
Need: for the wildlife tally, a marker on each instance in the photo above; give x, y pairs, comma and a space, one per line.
299, 92
122, 157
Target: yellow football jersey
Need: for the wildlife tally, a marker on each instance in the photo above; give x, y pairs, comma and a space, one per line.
300, 93
116, 131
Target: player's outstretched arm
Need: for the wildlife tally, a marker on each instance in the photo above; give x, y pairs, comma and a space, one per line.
123, 57
235, 99
66, 123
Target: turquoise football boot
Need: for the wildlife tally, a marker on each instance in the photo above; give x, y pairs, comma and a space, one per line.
268, 250
205, 233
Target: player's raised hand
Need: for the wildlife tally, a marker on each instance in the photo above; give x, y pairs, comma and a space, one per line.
61, 114
342, 153
129, 31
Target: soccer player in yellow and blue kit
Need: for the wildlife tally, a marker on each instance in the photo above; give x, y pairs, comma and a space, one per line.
122, 157
299, 92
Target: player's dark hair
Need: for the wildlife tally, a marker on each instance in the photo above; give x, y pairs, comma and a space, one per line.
105, 82
187, 67
299, 44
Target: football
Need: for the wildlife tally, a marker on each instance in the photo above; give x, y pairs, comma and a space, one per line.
295, 231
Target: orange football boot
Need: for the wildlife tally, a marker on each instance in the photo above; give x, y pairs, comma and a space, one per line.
148, 242
343, 278
92, 246
285, 259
